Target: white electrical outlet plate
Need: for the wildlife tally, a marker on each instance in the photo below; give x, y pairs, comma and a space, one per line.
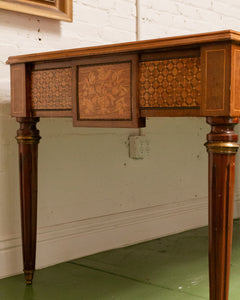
138, 147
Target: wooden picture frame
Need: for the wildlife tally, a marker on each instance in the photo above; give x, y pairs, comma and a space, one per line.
54, 9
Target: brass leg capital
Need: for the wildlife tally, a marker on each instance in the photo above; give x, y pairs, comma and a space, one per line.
28, 133
28, 139
222, 147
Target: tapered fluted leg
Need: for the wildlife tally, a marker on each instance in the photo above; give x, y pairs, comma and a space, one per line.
222, 147
28, 139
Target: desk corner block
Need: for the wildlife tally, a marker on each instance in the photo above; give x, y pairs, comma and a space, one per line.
20, 90
222, 148
28, 139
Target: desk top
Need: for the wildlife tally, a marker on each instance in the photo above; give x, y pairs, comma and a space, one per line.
119, 85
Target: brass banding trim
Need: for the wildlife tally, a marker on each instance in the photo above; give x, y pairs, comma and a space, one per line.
222, 147
27, 139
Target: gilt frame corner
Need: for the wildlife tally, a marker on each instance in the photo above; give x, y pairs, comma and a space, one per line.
54, 9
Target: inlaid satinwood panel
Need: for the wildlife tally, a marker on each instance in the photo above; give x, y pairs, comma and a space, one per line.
51, 89
170, 83
104, 91
106, 94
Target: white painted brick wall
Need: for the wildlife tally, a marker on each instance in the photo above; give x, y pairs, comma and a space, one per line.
161, 18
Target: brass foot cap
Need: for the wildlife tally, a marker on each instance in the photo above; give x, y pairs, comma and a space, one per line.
28, 277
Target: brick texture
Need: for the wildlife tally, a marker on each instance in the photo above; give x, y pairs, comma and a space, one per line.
160, 18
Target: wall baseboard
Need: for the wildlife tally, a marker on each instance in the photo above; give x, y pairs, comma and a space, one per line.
72, 240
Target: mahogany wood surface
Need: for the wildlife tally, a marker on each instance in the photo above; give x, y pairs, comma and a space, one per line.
222, 147
28, 139
118, 86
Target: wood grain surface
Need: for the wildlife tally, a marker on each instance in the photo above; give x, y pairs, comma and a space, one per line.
222, 148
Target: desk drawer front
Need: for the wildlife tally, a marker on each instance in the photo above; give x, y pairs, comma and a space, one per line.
51, 89
106, 94
104, 91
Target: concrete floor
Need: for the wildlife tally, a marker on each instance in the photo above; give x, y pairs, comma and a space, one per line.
174, 268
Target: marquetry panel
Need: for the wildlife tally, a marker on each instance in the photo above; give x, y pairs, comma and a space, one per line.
104, 91
170, 83
51, 89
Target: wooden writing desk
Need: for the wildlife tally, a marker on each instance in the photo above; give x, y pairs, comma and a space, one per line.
118, 86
